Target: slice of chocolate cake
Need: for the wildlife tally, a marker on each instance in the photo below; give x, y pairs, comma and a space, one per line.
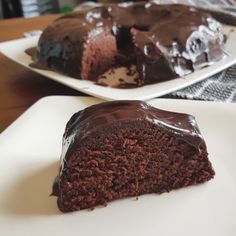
127, 148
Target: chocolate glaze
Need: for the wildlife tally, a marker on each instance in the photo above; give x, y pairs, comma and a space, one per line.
104, 115
31, 51
164, 41
101, 115
36, 64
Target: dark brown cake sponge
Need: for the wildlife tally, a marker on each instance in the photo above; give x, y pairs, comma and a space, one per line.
127, 148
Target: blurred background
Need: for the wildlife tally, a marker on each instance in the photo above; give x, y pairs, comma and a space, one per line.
31, 8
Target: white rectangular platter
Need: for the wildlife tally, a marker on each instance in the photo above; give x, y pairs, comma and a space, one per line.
15, 50
29, 154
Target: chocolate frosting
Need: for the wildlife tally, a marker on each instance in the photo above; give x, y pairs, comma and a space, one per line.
96, 117
164, 41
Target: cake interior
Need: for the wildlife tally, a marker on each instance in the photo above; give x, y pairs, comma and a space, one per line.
129, 160
97, 59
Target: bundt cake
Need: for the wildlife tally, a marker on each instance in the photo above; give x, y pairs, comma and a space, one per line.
162, 42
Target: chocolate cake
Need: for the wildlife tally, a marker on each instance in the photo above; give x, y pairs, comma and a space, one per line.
121, 149
162, 41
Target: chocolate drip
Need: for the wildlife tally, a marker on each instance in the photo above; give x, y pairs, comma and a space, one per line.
31, 51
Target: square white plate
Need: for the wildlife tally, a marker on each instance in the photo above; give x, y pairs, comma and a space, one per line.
15, 51
30, 150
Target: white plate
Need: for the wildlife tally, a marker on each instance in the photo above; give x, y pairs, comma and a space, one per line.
15, 51
30, 150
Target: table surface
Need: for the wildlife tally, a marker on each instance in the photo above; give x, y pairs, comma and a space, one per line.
20, 87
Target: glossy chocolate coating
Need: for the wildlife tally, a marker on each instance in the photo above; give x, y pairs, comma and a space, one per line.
164, 41
92, 119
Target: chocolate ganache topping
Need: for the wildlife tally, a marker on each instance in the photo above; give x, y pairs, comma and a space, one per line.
162, 41
105, 115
